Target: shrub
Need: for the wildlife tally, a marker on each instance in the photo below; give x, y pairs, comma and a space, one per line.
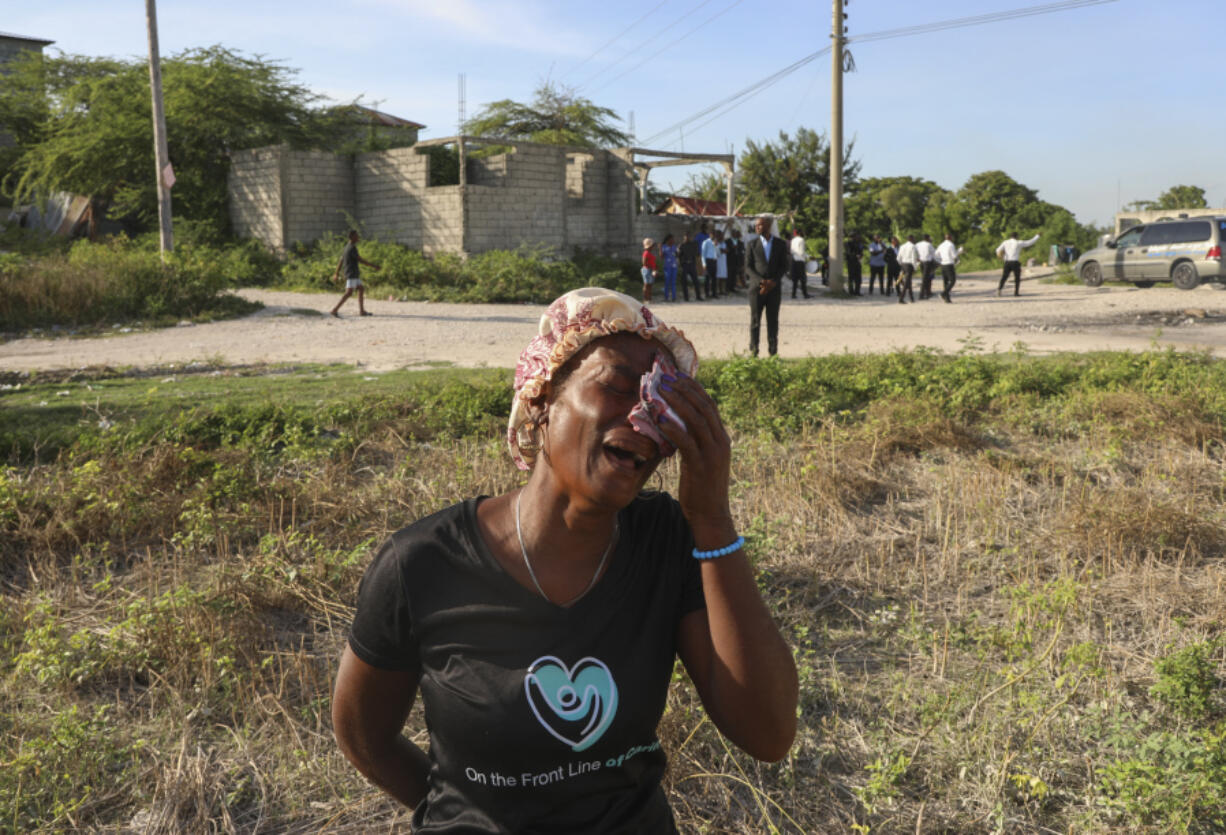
115, 281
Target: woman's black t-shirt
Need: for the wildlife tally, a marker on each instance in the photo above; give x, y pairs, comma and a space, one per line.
541, 718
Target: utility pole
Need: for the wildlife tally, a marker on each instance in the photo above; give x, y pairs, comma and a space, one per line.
161, 153
459, 129
836, 150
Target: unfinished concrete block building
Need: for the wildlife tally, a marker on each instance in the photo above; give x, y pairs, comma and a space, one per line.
493, 194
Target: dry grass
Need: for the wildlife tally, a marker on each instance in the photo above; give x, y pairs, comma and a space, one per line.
975, 609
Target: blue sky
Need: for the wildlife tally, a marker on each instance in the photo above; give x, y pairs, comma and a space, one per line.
1092, 107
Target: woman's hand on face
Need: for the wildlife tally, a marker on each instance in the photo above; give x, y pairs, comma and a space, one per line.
706, 451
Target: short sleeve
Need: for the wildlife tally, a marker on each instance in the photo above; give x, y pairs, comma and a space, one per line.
382, 631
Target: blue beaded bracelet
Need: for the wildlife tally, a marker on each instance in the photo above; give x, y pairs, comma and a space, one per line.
720, 552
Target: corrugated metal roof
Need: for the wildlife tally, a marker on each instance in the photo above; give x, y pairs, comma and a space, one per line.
10, 35
694, 206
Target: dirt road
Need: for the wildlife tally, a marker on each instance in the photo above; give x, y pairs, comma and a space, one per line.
1046, 318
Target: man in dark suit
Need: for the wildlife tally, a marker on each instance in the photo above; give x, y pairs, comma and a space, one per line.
766, 263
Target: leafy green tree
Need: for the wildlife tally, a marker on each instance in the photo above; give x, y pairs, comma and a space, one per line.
792, 176
705, 185
83, 125
556, 116
993, 201
893, 205
1175, 197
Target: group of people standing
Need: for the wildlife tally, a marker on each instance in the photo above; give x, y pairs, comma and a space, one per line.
730, 265
892, 266
712, 263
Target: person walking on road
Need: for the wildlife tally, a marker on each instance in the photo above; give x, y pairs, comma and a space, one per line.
766, 262
1011, 251
947, 256
908, 257
928, 265
876, 264
800, 275
353, 279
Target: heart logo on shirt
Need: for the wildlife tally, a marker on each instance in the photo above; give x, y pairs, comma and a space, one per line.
577, 704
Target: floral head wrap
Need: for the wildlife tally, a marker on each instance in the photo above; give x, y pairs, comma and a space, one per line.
570, 323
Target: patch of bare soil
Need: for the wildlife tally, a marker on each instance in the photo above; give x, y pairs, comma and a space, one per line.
1045, 318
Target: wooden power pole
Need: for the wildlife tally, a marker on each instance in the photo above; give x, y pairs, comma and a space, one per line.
837, 285
165, 176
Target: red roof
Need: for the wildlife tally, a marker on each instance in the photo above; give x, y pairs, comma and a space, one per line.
694, 206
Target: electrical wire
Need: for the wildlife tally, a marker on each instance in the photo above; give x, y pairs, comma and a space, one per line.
635, 50
741, 95
670, 44
616, 37
976, 20
726, 105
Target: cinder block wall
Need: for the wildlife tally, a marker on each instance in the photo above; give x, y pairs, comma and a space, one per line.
560, 197
528, 207
587, 200
254, 185
388, 189
318, 194
656, 227
442, 220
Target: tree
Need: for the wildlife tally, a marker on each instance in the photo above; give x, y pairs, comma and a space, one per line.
889, 204
993, 200
705, 185
1175, 197
792, 176
83, 125
557, 116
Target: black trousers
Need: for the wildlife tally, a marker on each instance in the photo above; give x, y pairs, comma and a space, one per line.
929, 269
949, 277
876, 274
800, 277
689, 275
855, 272
1014, 267
768, 302
892, 271
904, 282
711, 267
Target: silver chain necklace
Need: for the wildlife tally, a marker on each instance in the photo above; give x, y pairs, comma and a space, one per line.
523, 550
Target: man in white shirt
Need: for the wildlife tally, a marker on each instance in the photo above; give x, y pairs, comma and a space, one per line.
928, 265
800, 274
1011, 252
947, 256
907, 259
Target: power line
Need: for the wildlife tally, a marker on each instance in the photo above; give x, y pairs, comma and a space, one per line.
711, 19
726, 105
976, 20
615, 38
740, 95
663, 30
634, 50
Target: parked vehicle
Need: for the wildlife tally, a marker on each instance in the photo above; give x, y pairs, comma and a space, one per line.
1186, 251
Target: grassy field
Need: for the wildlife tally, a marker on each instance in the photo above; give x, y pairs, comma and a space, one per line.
1002, 576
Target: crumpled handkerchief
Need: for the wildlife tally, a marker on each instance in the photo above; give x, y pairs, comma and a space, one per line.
651, 409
